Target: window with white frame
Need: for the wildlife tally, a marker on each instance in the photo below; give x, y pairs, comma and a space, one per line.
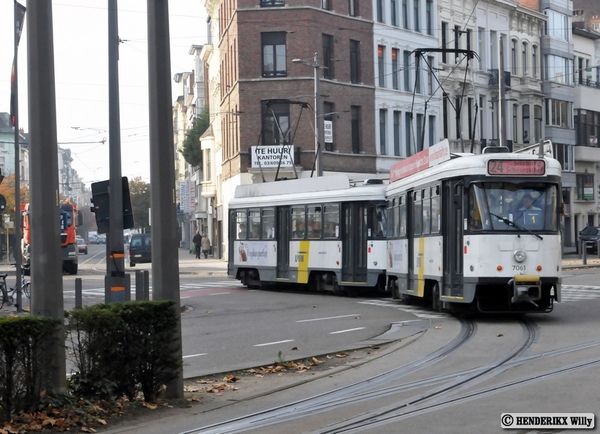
382, 131
406, 70
524, 58
558, 69
558, 25
534, 60
481, 47
395, 55
513, 56
558, 113
429, 11
397, 129
394, 13
381, 65
417, 6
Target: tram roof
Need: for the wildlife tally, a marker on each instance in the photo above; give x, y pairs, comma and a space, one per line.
471, 164
334, 188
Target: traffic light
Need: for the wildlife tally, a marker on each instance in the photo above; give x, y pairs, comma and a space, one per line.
101, 205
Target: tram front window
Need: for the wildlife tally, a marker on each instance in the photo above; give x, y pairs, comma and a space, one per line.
509, 207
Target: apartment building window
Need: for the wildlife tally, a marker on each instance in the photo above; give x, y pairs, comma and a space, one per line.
513, 56
207, 165
276, 123
429, 16
328, 117
526, 123
406, 70
430, 76
558, 25
537, 122
585, 186
444, 40
397, 121
524, 57
558, 69
354, 61
353, 8
328, 59
274, 54
481, 47
445, 115
420, 144
381, 64
355, 128
418, 74
394, 12
379, 11
326, 4
534, 60
470, 108
405, 14
266, 3
469, 36
558, 113
481, 117
417, 6
395, 83
432, 123
493, 53
515, 123
564, 154
457, 33
382, 131
408, 150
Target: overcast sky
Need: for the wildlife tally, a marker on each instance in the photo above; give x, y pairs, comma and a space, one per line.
81, 71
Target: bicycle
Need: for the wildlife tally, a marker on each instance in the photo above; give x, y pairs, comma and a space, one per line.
9, 294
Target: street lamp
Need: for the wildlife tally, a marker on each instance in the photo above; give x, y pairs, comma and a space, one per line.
318, 120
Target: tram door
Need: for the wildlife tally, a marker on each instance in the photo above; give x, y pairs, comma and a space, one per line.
354, 242
410, 231
283, 242
452, 227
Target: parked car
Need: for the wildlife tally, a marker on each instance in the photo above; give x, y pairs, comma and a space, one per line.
590, 236
139, 249
82, 246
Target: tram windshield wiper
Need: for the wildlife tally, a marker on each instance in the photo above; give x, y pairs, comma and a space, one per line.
513, 224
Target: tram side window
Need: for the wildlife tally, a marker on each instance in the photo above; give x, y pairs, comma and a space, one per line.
402, 217
268, 223
378, 222
240, 221
435, 210
314, 222
392, 205
254, 221
298, 223
331, 221
418, 213
426, 211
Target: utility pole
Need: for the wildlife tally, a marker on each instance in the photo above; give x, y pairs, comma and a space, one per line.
46, 260
165, 249
317, 110
116, 282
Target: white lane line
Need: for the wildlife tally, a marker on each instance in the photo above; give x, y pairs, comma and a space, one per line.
274, 343
220, 293
346, 331
195, 355
329, 317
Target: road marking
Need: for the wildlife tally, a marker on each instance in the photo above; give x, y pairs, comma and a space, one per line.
329, 317
274, 343
346, 331
194, 355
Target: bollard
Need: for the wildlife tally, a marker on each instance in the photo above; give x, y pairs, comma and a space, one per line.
146, 285
139, 285
78, 293
598, 249
584, 252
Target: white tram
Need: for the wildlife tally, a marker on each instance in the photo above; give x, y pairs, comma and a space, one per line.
326, 233
475, 231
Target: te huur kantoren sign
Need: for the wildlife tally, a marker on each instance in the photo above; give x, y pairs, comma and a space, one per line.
272, 156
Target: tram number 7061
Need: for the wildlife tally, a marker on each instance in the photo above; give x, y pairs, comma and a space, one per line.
519, 267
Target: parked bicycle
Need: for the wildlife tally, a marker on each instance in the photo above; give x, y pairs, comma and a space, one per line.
9, 295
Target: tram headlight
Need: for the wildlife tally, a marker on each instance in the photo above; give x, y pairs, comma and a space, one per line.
519, 255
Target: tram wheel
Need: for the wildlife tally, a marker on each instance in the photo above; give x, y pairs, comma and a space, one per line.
436, 303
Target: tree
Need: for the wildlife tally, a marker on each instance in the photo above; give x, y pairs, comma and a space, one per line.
7, 189
191, 145
140, 202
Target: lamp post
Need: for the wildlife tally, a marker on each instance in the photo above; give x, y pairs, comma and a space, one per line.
318, 130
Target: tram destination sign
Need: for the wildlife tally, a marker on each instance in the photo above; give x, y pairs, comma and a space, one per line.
517, 167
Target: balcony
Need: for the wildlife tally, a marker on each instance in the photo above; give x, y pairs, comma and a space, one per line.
208, 189
587, 153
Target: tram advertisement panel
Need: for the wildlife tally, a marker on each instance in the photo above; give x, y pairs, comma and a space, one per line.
255, 253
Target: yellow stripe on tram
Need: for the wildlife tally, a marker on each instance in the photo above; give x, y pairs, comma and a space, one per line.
303, 261
421, 265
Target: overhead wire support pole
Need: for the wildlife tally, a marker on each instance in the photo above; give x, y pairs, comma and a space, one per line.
116, 283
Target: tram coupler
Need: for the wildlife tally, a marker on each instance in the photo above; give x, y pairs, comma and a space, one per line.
526, 288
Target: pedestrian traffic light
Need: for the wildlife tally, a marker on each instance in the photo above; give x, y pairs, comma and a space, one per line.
101, 205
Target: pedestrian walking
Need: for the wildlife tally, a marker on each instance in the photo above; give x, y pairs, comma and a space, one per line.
205, 242
197, 240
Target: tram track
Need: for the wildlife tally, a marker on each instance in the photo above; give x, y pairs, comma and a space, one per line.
446, 389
